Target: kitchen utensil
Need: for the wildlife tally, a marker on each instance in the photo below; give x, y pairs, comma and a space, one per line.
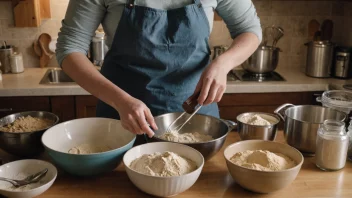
16, 62
248, 132
27, 144
203, 124
319, 59
37, 49
313, 27
342, 62
279, 33
263, 181
21, 168
34, 178
98, 48
163, 186
340, 100
327, 30
302, 123
58, 140
5, 52
267, 35
218, 50
190, 106
264, 60
332, 146
44, 40
317, 36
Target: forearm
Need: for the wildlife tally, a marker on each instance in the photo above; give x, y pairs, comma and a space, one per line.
242, 47
82, 71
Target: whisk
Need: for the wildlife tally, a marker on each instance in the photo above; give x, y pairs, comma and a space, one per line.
190, 106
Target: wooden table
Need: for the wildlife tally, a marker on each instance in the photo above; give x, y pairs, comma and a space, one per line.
215, 181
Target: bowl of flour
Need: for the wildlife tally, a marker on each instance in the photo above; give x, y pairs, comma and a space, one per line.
257, 125
88, 146
273, 165
204, 133
163, 169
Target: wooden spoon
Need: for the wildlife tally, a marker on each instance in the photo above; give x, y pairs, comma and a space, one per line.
37, 49
327, 30
313, 27
44, 40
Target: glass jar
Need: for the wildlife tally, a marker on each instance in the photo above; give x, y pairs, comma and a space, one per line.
331, 146
349, 154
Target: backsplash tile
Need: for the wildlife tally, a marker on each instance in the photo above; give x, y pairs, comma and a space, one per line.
292, 16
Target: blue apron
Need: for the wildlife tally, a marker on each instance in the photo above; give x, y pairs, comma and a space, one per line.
158, 57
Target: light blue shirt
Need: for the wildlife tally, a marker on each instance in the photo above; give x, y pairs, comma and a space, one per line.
84, 16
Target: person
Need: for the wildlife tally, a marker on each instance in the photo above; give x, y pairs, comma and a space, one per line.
158, 54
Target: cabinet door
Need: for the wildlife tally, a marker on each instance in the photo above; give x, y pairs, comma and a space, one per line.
86, 106
10, 105
64, 107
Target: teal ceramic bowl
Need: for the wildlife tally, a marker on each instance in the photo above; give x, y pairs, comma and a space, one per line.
103, 132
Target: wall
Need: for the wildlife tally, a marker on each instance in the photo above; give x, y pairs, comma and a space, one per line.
292, 16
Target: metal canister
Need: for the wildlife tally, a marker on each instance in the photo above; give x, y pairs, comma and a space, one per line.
319, 59
98, 48
5, 52
16, 62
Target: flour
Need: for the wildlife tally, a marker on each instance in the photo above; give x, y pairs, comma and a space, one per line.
263, 160
254, 119
89, 149
27, 124
194, 137
165, 164
20, 176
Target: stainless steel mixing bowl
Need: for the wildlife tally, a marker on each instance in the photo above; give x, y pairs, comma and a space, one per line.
302, 123
256, 132
203, 124
27, 144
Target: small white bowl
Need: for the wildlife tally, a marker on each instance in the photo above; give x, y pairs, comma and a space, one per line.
22, 168
163, 186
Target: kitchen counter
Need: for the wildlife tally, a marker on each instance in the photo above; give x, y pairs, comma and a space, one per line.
27, 84
214, 181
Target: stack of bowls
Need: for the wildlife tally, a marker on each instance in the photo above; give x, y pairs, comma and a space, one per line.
59, 139
163, 186
26, 144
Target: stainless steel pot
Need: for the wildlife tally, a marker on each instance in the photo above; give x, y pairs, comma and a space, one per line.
263, 60
319, 59
251, 132
302, 123
204, 124
26, 144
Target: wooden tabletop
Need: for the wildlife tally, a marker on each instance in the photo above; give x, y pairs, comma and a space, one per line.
214, 181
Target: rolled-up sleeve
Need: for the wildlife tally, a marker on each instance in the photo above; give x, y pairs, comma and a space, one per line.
82, 19
240, 16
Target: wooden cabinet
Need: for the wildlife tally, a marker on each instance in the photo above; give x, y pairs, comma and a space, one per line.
71, 107
10, 105
86, 106
64, 107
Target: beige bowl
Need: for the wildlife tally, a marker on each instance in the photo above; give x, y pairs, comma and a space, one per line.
263, 181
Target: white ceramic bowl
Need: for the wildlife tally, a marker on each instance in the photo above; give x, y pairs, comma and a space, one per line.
20, 169
263, 181
58, 140
163, 186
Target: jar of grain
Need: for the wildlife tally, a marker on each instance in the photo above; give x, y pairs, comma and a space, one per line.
331, 146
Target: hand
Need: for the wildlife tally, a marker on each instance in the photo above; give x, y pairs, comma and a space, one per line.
135, 116
212, 83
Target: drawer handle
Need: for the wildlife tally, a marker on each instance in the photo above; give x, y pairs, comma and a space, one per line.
3, 110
